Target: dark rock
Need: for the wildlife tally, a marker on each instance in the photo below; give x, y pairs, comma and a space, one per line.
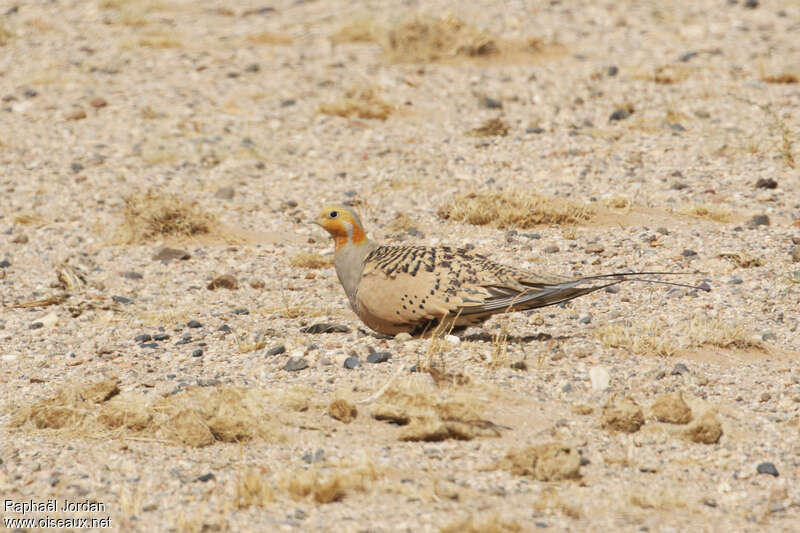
225, 328
769, 336
76, 167
295, 364
535, 130
36, 325
758, 220
149, 345
660, 375
612, 289
226, 281
688, 253
205, 477
197, 353
491, 103
225, 193
241, 311
201, 382
167, 254
276, 350
160, 337
678, 186
316, 457
352, 362
325, 327
379, 357
130, 274
122, 300
551, 249
662, 231
766, 183
612, 71
687, 56
5, 263
679, 370
586, 320
675, 126
144, 337
767, 468
288, 102
519, 365
795, 254
619, 114
704, 286
751, 4
185, 340
194, 324
252, 67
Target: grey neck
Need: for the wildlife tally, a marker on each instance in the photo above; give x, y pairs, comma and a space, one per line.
349, 263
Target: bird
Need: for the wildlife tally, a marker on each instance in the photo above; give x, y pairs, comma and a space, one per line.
415, 289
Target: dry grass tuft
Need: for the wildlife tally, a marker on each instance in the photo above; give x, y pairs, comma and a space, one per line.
160, 40
252, 341
514, 209
482, 524
717, 213
493, 127
194, 417
329, 485
401, 222
703, 331
623, 415
310, 260
155, 216
5, 34
649, 337
742, 260
358, 30
782, 78
554, 461
342, 410
360, 101
706, 429
252, 489
430, 414
266, 37
666, 500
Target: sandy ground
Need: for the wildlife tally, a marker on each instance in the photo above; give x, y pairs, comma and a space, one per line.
233, 109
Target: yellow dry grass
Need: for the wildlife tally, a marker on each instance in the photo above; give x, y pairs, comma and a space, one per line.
193, 417
514, 209
5, 34
252, 488
493, 127
327, 485
310, 260
486, 523
154, 216
362, 101
553, 461
717, 213
266, 37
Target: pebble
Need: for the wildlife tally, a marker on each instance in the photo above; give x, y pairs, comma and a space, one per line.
276, 350
551, 249
288, 102
619, 114
225, 193
224, 328
688, 253
167, 254
586, 319
766, 183
704, 286
612, 290
295, 364
735, 281
194, 324
796, 254
197, 353
325, 327
536, 130
316, 457
76, 167
758, 220
241, 311
226, 281
122, 300
594, 248
679, 370
160, 337
5, 263
77, 114
613, 70
492, 103
130, 274
379, 357
452, 339
144, 337
599, 377
185, 340
402, 337
149, 345
352, 362
767, 468
687, 56
795, 240
769, 336
205, 477
36, 325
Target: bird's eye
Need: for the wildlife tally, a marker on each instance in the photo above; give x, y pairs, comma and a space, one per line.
333, 214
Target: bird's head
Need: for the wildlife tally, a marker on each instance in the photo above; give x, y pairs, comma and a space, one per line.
343, 224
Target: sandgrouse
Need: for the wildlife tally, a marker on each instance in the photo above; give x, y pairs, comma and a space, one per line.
413, 289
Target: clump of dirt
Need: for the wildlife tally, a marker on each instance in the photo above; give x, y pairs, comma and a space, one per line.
742, 260
622, 414
493, 127
430, 414
331, 485
225, 281
342, 410
706, 429
514, 209
671, 408
154, 216
482, 524
362, 101
195, 416
310, 260
554, 461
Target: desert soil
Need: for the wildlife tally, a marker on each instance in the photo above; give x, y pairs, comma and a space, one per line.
218, 129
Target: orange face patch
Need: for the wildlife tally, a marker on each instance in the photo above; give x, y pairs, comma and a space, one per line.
338, 227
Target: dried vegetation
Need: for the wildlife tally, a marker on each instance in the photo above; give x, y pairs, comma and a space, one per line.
363, 101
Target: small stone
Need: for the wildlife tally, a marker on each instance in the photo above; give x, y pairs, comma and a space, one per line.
197, 353
662, 231
767, 468
316, 457
599, 377
379, 357
194, 324
241, 311
688, 253
612, 290
758, 220
149, 345
551, 249
567, 387
687, 56
289, 102
30, 93
160, 337
796, 239
704, 286
736, 281
77, 114
766, 183
325, 327
619, 114
98, 102
679, 370
796, 254
535, 130
402, 337
205, 477
751, 4
769, 336
707, 429
144, 337
225, 193
519, 365
5, 263
76, 167
226, 281
295, 364
225, 328
130, 274
352, 362
586, 319
342, 410
36, 325
452, 339
612, 71
122, 300
276, 350
765, 397
594, 248
167, 254
185, 340
491, 103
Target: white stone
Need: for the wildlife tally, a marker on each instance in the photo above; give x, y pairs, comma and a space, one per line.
452, 339
402, 337
600, 378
